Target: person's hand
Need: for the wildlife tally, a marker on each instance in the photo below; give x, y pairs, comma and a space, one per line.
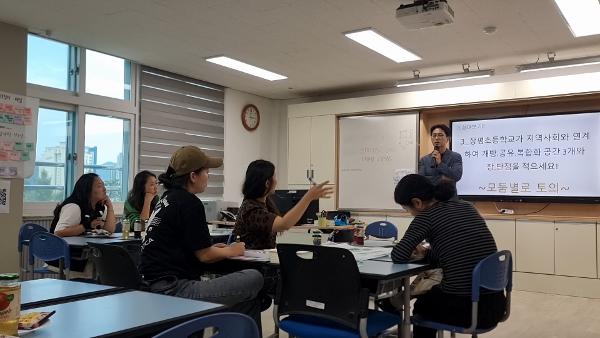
149, 196
437, 156
420, 251
108, 203
320, 191
220, 245
98, 223
237, 248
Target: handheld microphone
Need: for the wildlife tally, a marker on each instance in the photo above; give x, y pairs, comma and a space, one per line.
436, 147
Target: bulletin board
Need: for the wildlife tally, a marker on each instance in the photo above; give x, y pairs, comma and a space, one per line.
18, 135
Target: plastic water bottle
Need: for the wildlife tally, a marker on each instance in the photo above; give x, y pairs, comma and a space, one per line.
126, 228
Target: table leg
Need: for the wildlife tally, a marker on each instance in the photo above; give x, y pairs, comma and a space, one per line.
405, 331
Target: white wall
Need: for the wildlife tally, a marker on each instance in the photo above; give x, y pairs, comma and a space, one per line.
13, 70
505, 88
243, 147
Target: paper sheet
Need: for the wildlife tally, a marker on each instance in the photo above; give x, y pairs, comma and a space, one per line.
4, 196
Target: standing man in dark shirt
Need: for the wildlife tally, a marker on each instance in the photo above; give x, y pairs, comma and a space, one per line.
178, 245
442, 162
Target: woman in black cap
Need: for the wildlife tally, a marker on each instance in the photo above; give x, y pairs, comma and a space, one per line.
178, 245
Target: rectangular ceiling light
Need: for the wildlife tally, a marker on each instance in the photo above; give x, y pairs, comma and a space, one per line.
375, 41
534, 67
245, 68
445, 78
581, 16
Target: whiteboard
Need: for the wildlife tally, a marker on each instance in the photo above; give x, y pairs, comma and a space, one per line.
375, 152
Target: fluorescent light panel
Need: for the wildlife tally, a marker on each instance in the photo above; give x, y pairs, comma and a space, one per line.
378, 43
445, 78
245, 68
534, 67
581, 16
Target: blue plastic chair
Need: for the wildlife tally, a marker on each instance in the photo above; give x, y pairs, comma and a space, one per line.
49, 247
25, 232
382, 229
227, 325
493, 273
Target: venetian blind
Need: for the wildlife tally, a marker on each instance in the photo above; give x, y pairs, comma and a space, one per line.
175, 111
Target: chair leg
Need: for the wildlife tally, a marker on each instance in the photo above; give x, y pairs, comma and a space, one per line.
474, 335
276, 333
453, 334
440, 334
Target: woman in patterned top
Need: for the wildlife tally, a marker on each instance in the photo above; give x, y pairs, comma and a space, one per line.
459, 240
258, 220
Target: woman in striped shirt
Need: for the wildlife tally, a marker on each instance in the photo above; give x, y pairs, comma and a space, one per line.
459, 239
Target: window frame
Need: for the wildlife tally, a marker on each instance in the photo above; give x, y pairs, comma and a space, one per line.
82, 112
80, 102
82, 76
46, 208
73, 61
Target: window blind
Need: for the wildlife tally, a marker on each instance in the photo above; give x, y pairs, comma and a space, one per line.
175, 111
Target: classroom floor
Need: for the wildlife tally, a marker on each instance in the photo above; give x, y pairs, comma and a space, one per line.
532, 315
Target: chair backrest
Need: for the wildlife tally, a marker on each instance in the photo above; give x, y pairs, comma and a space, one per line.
493, 273
27, 230
48, 247
114, 266
382, 229
227, 325
320, 281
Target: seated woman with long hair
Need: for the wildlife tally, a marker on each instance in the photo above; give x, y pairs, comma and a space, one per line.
142, 198
87, 208
459, 239
258, 220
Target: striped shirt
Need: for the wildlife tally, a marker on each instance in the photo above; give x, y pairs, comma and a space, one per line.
459, 239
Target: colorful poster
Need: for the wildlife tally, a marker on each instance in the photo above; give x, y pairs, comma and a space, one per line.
18, 135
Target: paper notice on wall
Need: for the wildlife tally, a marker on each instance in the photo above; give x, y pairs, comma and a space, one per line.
18, 133
4, 196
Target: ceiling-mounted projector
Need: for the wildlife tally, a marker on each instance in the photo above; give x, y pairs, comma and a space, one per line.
425, 13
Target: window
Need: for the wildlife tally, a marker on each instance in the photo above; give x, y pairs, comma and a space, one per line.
86, 124
107, 75
50, 177
106, 152
51, 63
